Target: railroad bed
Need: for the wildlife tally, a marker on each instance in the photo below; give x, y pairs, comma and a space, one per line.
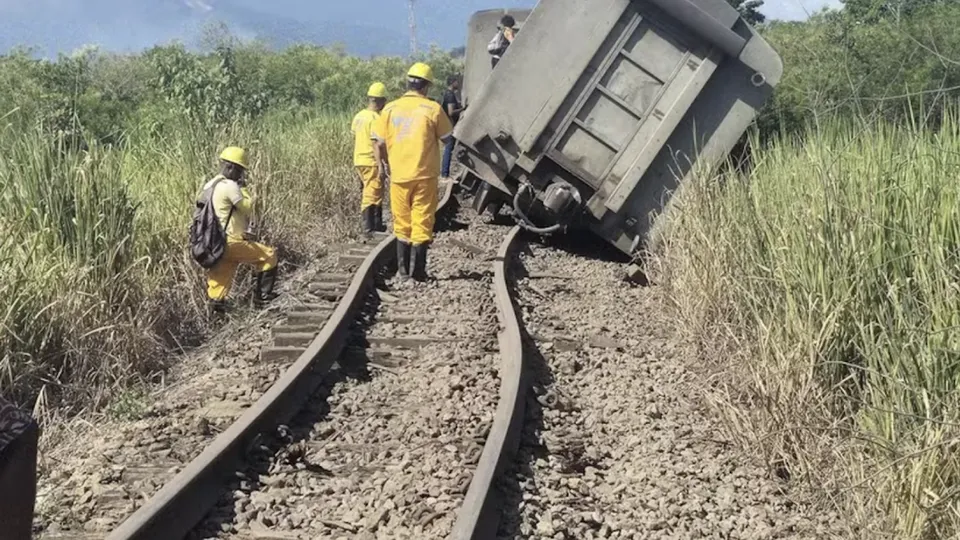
388, 444
617, 442
361, 408
116, 465
398, 439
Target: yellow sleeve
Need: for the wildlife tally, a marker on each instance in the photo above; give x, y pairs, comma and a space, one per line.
444, 127
378, 128
353, 124
246, 205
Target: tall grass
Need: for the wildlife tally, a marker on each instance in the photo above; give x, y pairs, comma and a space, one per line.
829, 281
96, 286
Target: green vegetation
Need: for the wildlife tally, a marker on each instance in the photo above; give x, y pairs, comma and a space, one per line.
101, 157
832, 274
883, 60
825, 284
749, 10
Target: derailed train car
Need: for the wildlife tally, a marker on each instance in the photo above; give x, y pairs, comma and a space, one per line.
600, 109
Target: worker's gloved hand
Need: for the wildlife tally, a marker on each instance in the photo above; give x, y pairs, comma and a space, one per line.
246, 193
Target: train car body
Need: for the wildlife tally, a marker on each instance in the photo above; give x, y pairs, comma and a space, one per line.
599, 110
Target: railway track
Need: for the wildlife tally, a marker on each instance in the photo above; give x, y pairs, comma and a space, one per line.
375, 414
118, 463
436, 411
389, 443
618, 440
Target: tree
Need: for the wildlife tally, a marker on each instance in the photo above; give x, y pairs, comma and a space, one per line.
872, 11
749, 10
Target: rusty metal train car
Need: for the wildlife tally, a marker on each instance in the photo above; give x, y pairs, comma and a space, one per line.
599, 110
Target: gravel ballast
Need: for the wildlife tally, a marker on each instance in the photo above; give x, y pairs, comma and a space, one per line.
388, 445
617, 441
104, 467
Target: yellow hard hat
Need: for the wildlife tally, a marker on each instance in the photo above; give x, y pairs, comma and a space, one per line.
421, 71
377, 90
235, 154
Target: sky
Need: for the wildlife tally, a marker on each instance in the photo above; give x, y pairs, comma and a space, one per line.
792, 10
366, 27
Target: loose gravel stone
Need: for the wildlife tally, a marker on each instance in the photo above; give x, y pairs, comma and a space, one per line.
617, 442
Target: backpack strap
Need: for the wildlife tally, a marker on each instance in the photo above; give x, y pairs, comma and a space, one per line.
219, 178
227, 222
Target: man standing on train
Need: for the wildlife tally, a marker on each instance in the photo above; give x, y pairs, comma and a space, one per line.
408, 134
506, 32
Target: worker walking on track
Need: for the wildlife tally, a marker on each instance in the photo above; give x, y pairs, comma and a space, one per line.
364, 160
408, 135
233, 204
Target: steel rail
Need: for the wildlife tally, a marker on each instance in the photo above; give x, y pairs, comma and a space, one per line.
479, 515
181, 503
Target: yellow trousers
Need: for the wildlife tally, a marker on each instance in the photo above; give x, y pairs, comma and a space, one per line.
220, 277
414, 209
372, 187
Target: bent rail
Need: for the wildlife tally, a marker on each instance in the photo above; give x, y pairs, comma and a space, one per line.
478, 517
181, 503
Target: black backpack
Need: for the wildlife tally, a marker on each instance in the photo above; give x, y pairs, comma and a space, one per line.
208, 239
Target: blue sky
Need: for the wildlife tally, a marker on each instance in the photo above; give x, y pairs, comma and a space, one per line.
795, 9
365, 26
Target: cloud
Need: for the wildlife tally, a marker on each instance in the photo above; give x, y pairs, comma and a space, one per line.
198, 5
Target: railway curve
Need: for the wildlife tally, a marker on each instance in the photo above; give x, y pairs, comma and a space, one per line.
183, 506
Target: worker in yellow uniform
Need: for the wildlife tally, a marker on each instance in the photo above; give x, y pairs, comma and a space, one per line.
408, 136
371, 209
234, 208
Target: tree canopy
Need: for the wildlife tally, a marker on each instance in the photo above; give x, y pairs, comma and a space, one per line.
749, 10
872, 11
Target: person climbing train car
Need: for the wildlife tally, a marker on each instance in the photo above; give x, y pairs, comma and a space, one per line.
226, 240
506, 32
408, 135
364, 160
19, 435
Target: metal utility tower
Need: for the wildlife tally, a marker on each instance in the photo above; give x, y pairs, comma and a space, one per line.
413, 27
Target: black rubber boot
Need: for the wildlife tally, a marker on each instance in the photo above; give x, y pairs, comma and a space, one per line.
263, 293
378, 219
419, 271
403, 260
218, 308
368, 217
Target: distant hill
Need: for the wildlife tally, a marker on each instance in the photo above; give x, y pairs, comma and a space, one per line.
365, 27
